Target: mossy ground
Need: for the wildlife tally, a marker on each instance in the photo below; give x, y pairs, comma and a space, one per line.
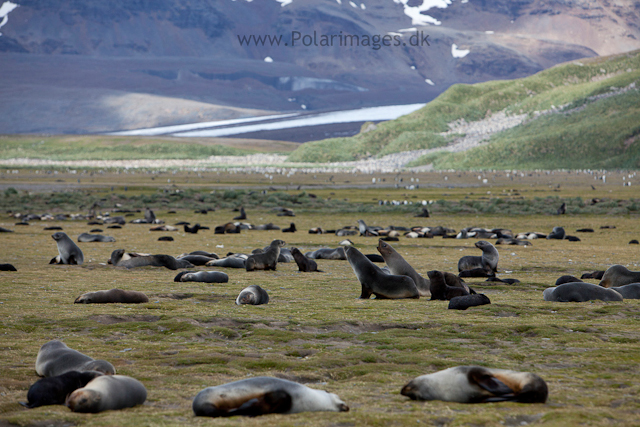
315, 330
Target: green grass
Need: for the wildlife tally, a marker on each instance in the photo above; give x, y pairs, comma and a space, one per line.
603, 126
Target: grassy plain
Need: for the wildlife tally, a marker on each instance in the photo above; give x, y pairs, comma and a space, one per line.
315, 330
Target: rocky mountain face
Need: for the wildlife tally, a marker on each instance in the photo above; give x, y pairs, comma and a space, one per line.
77, 66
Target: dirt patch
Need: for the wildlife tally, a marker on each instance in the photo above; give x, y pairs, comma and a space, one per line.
108, 319
176, 296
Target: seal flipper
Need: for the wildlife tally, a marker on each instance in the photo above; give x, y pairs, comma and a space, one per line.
273, 402
491, 384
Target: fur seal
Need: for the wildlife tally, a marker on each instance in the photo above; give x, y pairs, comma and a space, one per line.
202, 276
594, 275
263, 395
619, 275
253, 295
232, 261
266, 260
68, 251
580, 292
55, 358
326, 253
87, 238
557, 233
399, 266
488, 261
566, 279
112, 296
466, 301
7, 267
197, 259
304, 264
118, 259
374, 281
291, 229
366, 230
630, 291
475, 384
54, 390
445, 285
242, 216
107, 392
165, 239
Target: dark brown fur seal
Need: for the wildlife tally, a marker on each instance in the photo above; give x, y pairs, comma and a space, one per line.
399, 266
566, 279
445, 285
266, 260
263, 395
594, 275
374, 281
112, 296
54, 390
107, 392
253, 295
465, 301
619, 275
475, 384
304, 264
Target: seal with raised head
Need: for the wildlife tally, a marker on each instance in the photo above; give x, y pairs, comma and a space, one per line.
108, 392
55, 358
266, 260
557, 233
488, 261
68, 251
374, 281
304, 264
88, 238
253, 295
114, 295
54, 390
476, 384
619, 275
399, 266
445, 285
580, 292
263, 395
326, 253
119, 259
593, 275
202, 276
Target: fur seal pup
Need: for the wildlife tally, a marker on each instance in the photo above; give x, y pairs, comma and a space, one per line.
445, 285
557, 233
54, 390
475, 384
232, 261
112, 296
580, 292
399, 266
619, 275
263, 395
68, 251
630, 291
374, 281
117, 259
465, 301
326, 253
88, 238
594, 275
7, 267
253, 295
304, 264
55, 358
266, 260
107, 392
202, 276
291, 229
488, 261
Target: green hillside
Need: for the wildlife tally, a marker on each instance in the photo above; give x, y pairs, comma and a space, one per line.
588, 131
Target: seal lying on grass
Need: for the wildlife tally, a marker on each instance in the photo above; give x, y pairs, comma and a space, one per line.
112, 296
107, 392
55, 358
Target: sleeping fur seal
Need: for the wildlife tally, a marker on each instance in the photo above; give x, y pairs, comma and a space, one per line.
68, 251
488, 261
253, 295
326, 253
148, 260
619, 275
398, 265
445, 285
465, 301
202, 276
106, 393
374, 281
263, 395
231, 261
112, 296
197, 259
304, 264
54, 390
475, 384
87, 238
580, 292
55, 358
630, 291
266, 260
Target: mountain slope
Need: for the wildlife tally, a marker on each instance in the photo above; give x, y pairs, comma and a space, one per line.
580, 114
